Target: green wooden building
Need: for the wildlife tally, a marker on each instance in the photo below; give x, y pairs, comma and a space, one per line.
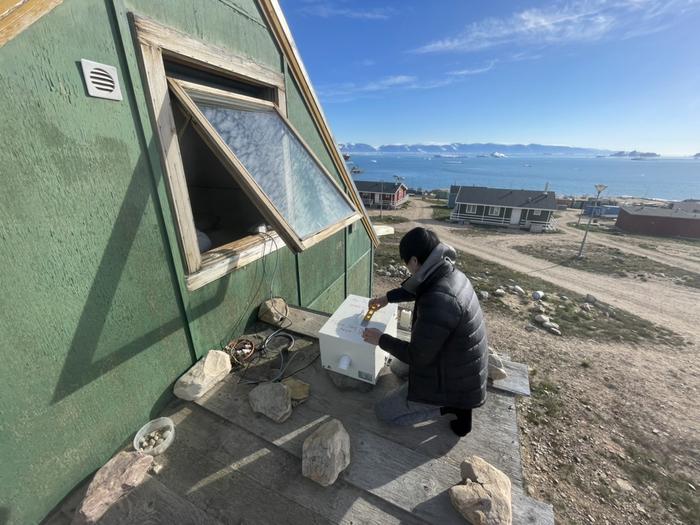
165, 167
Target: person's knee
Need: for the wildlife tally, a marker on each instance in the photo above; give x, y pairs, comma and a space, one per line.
383, 411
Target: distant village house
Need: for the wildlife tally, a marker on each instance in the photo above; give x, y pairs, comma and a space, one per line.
681, 220
525, 209
382, 194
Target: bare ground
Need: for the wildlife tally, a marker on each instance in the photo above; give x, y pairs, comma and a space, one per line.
612, 431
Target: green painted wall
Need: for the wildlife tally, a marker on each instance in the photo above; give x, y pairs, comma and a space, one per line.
96, 321
92, 330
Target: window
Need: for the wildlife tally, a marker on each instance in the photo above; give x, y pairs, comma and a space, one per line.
471, 208
241, 180
495, 211
536, 213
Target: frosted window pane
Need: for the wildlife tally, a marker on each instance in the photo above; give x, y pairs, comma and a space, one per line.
280, 165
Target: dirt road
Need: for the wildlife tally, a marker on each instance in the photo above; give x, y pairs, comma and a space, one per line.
666, 304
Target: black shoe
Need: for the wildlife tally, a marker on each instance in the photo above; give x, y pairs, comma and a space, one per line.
463, 424
461, 427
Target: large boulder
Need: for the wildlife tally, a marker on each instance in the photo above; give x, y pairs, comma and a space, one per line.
326, 453
483, 497
205, 373
273, 400
117, 478
541, 318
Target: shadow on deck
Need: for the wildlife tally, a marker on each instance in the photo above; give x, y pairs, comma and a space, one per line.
229, 465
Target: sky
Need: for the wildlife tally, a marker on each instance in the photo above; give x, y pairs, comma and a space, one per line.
618, 74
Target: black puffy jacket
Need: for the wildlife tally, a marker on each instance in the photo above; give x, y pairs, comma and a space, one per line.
448, 351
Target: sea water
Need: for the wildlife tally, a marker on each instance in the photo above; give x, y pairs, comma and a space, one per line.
660, 178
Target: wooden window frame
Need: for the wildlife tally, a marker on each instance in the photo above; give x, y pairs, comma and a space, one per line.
156, 43
536, 213
470, 208
497, 209
16, 16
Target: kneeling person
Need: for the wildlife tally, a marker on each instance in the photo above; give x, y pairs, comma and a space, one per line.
448, 351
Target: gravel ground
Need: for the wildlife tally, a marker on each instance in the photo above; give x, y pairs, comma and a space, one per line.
611, 433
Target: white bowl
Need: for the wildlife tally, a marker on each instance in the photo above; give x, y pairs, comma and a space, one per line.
157, 424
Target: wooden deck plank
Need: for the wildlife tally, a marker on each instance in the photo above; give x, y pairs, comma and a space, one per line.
387, 461
206, 434
494, 436
153, 503
517, 381
404, 477
222, 490
527, 511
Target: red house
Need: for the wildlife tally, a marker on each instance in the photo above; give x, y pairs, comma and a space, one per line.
381, 194
654, 220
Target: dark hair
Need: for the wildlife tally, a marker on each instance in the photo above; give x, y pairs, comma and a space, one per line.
418, 242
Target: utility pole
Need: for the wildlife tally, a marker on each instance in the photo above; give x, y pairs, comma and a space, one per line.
599, 188
381, 200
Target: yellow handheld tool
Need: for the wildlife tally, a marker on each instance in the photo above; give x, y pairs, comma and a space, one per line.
368, 316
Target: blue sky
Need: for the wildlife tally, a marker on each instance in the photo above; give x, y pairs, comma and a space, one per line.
619, 74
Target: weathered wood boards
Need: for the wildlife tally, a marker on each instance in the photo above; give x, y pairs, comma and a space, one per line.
409, 468
207, 443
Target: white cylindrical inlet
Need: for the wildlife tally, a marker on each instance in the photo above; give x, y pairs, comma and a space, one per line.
344, 362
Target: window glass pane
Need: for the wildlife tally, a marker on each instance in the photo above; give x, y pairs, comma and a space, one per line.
281, 166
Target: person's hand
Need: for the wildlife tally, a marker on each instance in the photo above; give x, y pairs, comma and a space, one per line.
371, 336
378, 302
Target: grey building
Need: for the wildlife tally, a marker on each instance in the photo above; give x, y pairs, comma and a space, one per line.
524, 209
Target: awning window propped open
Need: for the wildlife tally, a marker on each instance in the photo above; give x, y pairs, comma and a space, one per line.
270, 161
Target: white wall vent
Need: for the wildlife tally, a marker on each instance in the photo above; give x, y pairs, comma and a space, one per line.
101, 80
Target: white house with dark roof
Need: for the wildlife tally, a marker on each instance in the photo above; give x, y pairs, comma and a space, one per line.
524, 209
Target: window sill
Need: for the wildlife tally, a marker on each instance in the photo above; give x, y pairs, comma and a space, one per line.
223, 260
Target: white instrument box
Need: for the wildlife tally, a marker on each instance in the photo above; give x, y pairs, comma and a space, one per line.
342, 348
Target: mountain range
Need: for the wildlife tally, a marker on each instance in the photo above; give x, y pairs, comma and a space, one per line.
474, 148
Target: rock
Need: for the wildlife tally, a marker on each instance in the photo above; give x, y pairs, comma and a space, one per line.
343, 382
496, 369
540, 318
624, 485
326, 453
483, 295
537, 295
484, 497
272, 400
587, 307
517, 289
530, 327
555, 331
298, 390
500, 292
549, 324
591, 299
205, 373
117, 478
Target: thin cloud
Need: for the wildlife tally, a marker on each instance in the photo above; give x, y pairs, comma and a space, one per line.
351, 90
473, 71
575, 22
330, 10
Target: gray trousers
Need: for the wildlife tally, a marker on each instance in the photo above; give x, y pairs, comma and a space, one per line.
396, 409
